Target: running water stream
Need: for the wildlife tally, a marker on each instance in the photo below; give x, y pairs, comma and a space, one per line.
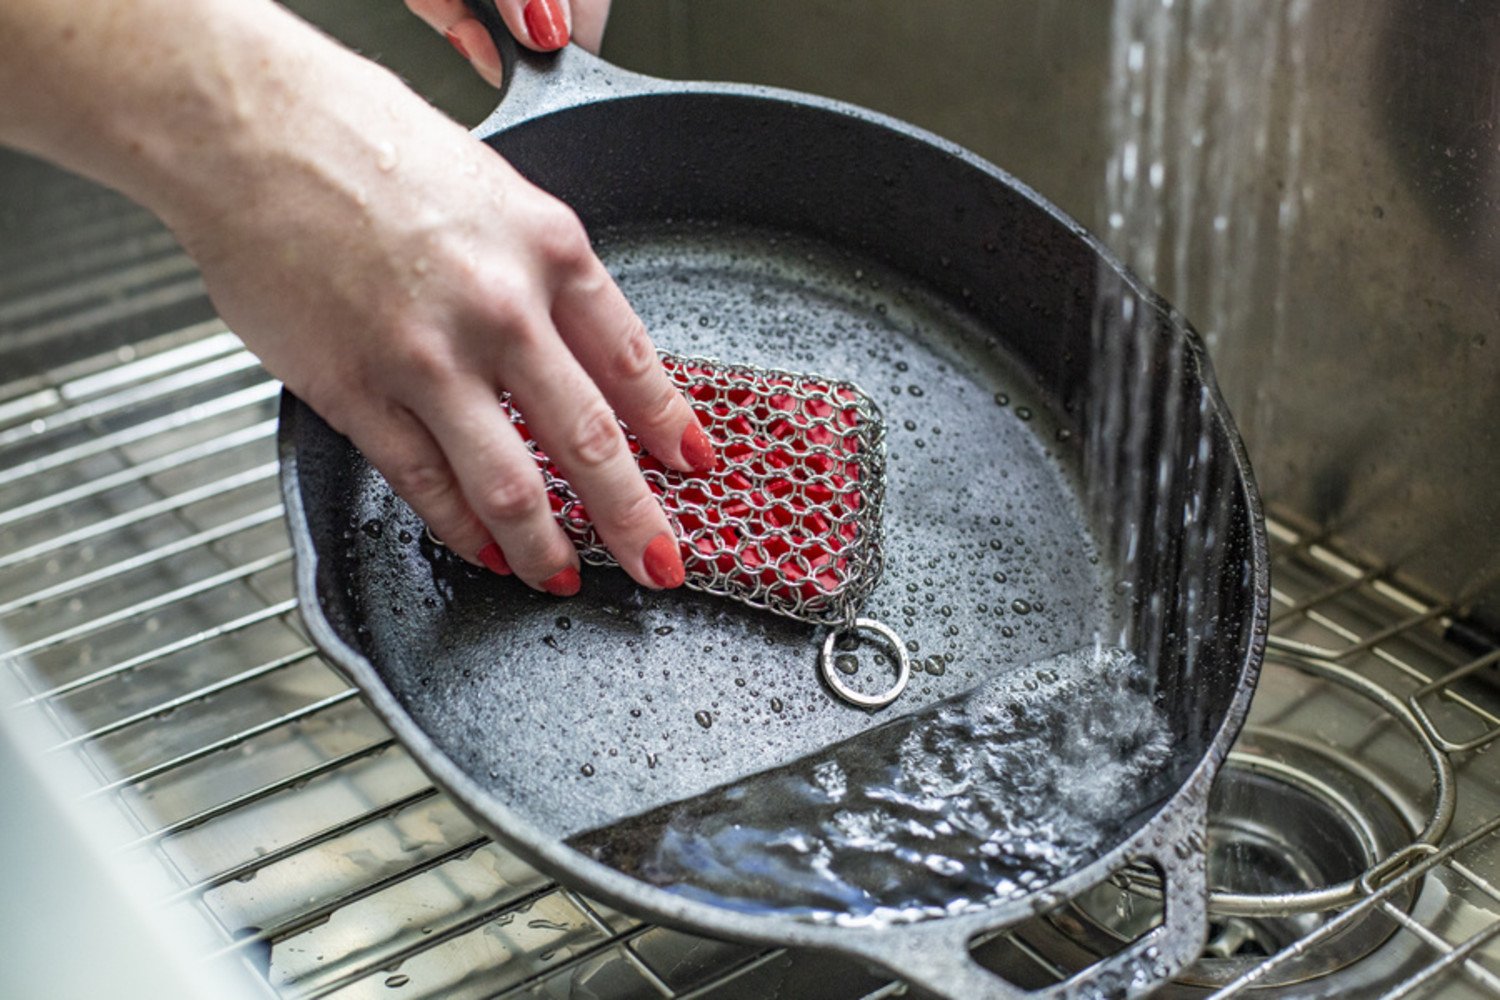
1203, 114
1203, 193
1204, 119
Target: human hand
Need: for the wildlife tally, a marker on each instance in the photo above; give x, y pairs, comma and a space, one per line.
393, 271
398, 276
543, 25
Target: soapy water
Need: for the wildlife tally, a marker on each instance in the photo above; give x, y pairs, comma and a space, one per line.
981, 798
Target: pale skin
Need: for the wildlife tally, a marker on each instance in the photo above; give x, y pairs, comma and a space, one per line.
397, 274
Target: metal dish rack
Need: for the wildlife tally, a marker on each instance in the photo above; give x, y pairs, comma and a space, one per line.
145, 605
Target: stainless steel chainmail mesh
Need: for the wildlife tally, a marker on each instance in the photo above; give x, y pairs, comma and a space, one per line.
790, 518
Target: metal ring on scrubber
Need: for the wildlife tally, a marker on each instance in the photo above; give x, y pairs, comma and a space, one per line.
844, 691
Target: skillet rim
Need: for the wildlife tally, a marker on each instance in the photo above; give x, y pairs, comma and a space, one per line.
1176, 817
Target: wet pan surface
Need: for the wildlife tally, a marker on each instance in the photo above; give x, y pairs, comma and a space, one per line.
602, 699
780, 230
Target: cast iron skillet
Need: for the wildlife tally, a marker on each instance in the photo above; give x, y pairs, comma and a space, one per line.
778, 228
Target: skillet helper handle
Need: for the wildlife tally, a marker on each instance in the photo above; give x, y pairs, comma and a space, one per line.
536, 83
948, 968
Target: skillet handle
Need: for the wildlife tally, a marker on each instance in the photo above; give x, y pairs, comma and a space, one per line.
946, 966
538, 83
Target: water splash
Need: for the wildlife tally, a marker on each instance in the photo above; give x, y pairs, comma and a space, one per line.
1204, 108
984, 797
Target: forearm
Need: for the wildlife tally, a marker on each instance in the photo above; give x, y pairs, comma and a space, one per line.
169, 102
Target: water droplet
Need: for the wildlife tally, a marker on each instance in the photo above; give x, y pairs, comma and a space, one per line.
587, 770
387, 157
776, 705
1023, 412
703, 718
397, 981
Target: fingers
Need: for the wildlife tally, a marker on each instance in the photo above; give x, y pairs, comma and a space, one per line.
544, 25
439, 14
453, 453
501, 485
576, 427
399, 446
610, 341
473, 42
589, 17
454, 21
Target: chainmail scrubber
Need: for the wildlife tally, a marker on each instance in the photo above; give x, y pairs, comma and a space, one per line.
789, 519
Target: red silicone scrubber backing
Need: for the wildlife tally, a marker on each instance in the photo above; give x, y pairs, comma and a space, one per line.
789, 518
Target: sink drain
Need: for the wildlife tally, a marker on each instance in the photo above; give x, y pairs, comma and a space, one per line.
1299, 829
1286, 821
1275, 831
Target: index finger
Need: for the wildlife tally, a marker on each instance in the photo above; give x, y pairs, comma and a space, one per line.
575, 426
611, 343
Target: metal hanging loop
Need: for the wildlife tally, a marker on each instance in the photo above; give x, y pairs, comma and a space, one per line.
836, 683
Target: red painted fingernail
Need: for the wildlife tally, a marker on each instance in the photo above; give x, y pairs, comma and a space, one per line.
697, 449
494, 559
546, 24
453, 40
664, 562
564, 584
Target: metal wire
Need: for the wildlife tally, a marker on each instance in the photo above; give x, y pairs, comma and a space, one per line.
1416, 654
1379, 897
789, 518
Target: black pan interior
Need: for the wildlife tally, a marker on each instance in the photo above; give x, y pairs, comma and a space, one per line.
769, 232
